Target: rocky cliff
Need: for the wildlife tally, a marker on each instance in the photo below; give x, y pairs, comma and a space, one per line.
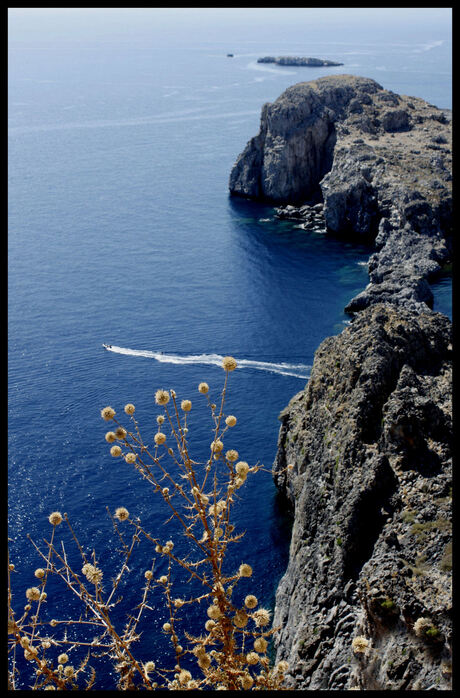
366, 600
380, 164
370, 553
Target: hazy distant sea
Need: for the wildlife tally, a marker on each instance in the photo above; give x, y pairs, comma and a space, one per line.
123, 128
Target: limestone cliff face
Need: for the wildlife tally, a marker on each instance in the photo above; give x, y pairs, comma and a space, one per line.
370, 553
376, 148
296, 135
294, 148
380, 163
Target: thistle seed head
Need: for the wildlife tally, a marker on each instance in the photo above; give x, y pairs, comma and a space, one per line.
229, 363
282, 666
55, 518
162, 397
245, 570
33, 594
108, 413
260, 645
247, 681
250, 601
214, 612
252, 658
240, 619
121, 514
261, 617
421, 625
360, 644
242, 468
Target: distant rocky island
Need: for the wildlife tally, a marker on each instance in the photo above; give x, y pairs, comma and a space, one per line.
297, 61
366, 600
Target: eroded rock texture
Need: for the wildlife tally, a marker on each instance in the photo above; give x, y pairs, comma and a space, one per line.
369, 438
380, 163
370, 552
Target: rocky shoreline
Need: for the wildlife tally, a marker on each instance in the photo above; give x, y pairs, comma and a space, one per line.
366, 600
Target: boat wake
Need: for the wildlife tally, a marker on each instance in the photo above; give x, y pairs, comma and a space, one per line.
283, 369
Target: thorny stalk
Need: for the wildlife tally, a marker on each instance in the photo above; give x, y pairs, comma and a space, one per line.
221, 656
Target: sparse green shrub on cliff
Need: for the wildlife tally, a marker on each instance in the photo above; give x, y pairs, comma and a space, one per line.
231, 652
388, 605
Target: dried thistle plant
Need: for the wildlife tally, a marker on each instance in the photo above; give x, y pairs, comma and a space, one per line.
231, 653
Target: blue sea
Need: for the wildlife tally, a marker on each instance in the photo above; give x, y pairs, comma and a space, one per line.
123, 128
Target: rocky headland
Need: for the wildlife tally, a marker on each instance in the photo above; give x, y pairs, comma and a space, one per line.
379, 163
365, 602
297, 61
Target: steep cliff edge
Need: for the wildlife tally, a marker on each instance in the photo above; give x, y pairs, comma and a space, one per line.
380, 163
370, 552
366, 600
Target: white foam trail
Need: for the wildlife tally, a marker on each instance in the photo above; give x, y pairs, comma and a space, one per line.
284, 369
140, 121
429, 46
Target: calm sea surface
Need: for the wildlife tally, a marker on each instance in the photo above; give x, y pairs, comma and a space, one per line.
122, 133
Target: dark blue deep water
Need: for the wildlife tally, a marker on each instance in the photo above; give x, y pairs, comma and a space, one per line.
123, 128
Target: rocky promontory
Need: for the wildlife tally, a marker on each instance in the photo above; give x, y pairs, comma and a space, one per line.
364, 457
380, 163
298, 61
